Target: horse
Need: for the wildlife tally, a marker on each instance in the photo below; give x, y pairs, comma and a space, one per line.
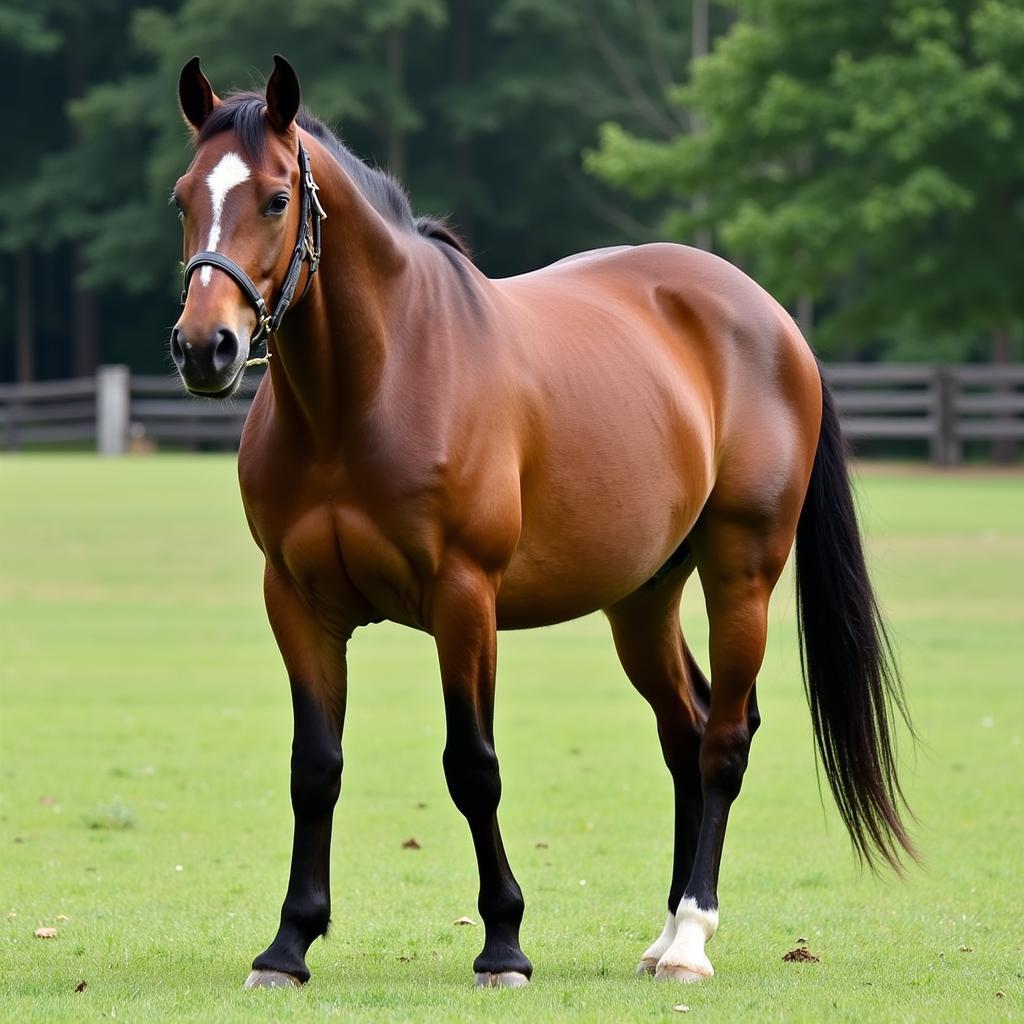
463, 455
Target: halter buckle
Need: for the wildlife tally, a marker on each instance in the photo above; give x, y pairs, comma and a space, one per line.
314, 189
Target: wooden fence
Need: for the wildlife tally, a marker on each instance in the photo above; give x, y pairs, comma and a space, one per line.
937, 408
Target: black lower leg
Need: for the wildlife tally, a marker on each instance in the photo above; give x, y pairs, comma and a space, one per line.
315, 784
471, 771
689, 811
684, 764
724, 756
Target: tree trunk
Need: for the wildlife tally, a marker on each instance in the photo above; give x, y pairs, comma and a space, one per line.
85, 325
85, 310
25, 344
700, 28
700, 42
1004, 449
805, 316
462, 151
396, 69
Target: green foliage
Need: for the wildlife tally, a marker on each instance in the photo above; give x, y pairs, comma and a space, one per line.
866, 154
23, 27
482, 110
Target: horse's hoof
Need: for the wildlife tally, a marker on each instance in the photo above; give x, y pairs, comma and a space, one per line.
504, 979
271, 979
647, 966
682, 973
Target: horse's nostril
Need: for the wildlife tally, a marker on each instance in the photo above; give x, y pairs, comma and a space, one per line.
177, 352
226, 352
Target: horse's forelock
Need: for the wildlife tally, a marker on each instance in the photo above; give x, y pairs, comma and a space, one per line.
244, 113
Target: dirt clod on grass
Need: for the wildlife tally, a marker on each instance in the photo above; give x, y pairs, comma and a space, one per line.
411, 844
801, 955
81, 986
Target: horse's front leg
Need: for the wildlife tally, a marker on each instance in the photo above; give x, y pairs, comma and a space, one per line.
464, 629
318, 687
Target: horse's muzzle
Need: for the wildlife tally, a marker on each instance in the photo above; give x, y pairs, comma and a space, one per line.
210, 365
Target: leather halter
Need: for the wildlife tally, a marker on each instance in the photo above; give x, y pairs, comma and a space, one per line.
306, 247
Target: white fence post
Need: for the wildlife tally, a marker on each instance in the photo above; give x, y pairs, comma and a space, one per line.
112, 409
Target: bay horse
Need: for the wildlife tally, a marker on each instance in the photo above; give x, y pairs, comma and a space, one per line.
463, 455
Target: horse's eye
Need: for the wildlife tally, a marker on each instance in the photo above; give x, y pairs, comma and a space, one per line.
277, 205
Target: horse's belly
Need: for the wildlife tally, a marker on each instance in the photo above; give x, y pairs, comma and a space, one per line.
601, 526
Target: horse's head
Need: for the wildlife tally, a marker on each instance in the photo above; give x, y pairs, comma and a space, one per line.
241, 203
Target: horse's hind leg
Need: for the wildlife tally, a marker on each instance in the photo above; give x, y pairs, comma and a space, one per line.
655, 657
739, 555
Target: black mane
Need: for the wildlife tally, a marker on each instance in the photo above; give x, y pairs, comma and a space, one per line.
244, 113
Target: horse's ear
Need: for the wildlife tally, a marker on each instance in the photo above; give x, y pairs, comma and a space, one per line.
195, 94
283, 95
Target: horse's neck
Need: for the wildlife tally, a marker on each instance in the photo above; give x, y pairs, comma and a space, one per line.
331, 353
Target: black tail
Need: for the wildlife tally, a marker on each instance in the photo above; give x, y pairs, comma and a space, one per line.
849, 672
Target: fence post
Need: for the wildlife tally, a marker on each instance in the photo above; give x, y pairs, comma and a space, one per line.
945, 446
112, 409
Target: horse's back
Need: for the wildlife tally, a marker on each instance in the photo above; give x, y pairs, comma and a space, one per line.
736, 350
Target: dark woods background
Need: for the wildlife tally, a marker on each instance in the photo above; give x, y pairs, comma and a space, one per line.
863, 160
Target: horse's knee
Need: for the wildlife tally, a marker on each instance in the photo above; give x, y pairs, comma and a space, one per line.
471, 771
316, 781
316, 757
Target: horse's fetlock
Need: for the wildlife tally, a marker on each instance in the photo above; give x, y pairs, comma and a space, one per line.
310, 915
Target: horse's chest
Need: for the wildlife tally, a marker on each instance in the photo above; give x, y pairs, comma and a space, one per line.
348, 561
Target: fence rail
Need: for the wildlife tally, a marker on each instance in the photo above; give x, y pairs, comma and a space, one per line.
940, 406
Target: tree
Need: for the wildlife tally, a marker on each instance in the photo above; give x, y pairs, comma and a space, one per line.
869, 154
482, 109
537, 77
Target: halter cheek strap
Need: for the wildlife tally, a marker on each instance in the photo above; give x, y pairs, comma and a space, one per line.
307, 247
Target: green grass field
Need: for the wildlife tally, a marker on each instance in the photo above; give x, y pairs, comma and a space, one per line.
141, 685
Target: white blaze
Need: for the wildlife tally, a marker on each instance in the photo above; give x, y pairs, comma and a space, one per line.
231, 170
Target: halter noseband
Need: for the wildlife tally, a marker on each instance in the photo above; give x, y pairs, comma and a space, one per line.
306, 247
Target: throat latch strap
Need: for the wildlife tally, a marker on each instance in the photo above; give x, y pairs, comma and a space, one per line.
307, 247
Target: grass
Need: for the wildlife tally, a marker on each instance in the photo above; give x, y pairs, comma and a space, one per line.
140, 685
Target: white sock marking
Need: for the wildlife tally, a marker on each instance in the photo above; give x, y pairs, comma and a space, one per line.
694, 927
656, 949
231, 170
